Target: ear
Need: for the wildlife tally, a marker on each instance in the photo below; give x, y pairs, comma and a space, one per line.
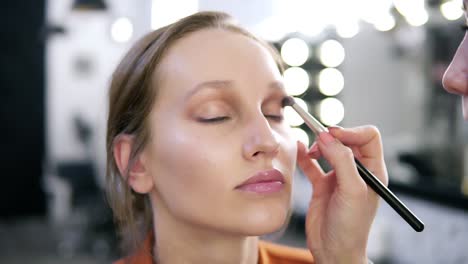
137, 175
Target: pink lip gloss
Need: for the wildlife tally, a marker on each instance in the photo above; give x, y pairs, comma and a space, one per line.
263, 182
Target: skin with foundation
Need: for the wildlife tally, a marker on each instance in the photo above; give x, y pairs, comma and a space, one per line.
217, 121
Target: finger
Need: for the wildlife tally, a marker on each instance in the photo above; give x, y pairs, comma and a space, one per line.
341, 158
301, 149
314, 151
366, 138
309, 167
366, 143
357, 153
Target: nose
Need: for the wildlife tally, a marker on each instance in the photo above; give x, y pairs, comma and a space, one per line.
261, 140
455, 79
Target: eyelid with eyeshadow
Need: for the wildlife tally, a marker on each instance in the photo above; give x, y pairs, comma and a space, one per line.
217, 112
219, 119
210, 108
275, 111
276, 118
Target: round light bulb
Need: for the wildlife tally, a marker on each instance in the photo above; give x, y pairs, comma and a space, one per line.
331, 53
347, 29
330, 81
331, 111
418, 18
385, 23
451, 10
295, 52
122, 30
296, 80
300, 135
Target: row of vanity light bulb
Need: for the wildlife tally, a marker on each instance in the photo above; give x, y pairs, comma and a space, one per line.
330, 81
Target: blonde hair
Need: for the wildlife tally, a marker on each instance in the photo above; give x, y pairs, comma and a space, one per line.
133, 91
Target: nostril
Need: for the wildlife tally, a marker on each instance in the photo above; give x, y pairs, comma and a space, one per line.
272, 152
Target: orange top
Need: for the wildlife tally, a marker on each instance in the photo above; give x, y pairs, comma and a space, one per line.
269, 253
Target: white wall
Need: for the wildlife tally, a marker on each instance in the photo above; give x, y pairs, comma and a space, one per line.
385, 89
248, 13
69, 93
378, 88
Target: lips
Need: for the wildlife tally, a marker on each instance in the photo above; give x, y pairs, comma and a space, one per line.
263, 182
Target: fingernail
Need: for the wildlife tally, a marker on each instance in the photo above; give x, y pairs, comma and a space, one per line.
314, 154
335, 127
326, 138
314, 147
314, 151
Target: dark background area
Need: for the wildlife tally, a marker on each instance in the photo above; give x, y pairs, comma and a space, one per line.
22, 108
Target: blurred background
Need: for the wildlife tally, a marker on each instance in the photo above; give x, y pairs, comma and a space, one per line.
350, 62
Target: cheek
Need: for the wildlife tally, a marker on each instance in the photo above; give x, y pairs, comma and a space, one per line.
175, 156
188, 167
289, 145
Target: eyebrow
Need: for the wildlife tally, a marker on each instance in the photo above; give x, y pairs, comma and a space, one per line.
228, 84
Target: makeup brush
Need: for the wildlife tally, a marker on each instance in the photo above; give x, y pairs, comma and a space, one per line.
366, 175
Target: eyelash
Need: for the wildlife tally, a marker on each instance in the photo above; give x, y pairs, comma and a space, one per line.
219, 119
464, 27
214, 120
276, 118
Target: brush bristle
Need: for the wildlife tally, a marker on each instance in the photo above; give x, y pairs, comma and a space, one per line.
287, 101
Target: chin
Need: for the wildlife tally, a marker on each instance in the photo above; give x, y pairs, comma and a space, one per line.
265, 222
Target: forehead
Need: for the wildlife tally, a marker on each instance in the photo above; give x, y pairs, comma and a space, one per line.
217, 54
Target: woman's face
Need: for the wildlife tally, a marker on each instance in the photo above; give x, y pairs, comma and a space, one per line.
456, 77
217, 122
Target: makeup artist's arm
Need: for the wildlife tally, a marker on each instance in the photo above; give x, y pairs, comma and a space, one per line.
343, 207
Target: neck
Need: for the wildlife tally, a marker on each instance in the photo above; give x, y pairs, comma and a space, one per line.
181, 242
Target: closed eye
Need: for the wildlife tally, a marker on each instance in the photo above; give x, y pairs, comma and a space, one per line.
276, 118
217, 119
